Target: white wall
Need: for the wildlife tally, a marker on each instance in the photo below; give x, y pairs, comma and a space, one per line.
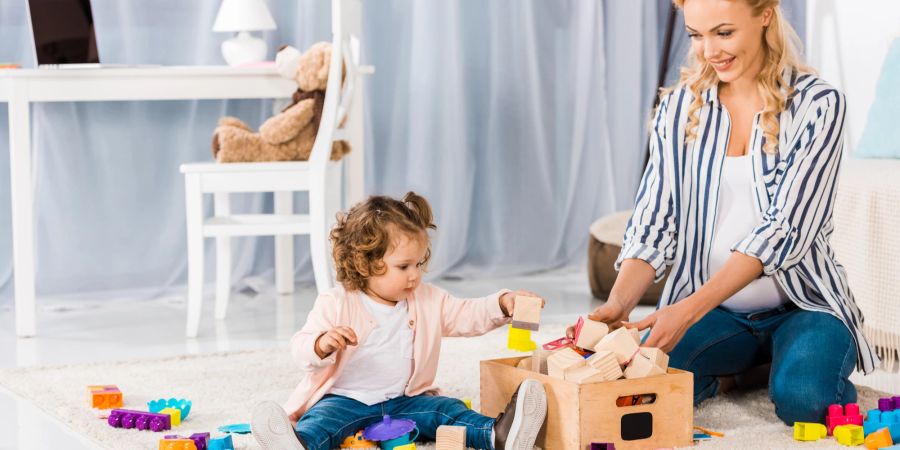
847, 41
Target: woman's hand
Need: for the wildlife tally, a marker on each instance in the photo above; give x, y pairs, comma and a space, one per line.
337, 338
508, 300
667, 325
612, 313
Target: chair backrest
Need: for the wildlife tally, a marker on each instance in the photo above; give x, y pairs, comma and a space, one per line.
344, 65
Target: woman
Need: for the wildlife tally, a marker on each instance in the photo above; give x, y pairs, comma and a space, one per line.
737, 199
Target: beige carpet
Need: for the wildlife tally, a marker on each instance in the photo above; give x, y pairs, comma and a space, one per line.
224, 387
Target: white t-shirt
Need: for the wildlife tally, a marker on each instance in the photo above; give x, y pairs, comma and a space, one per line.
381, 366
736, 218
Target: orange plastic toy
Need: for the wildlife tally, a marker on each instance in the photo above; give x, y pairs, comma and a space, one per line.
357, 441
104, 396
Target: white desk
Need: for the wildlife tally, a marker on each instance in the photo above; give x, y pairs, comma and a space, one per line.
21, 87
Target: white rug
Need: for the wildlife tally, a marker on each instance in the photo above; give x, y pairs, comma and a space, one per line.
224, 387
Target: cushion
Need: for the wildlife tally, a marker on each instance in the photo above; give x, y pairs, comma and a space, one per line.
881, 137
604, 245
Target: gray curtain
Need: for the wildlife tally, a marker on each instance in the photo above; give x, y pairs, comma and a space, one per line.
521, 121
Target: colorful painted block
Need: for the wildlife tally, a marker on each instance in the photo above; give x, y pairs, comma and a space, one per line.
520, 340
142, 420
850, 435
806, 431
104, 396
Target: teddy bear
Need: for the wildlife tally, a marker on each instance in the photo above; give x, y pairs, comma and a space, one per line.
290, 134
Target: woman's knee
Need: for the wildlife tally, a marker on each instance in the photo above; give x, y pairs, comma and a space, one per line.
806, 399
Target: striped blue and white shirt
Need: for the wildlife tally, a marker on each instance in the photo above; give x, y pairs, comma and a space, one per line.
676, 204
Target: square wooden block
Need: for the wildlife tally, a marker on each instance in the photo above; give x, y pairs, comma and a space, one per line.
527, 313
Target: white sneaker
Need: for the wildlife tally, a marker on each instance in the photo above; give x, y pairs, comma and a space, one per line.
272, 429
518, 426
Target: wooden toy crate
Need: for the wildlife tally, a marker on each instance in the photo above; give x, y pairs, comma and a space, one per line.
580, 414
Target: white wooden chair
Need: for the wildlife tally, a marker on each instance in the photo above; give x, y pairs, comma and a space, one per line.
320, 177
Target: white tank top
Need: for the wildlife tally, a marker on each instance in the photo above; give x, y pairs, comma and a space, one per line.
736, 218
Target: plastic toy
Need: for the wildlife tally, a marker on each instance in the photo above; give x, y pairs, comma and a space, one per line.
877, 420
199, 440
879, 439
236, 428
527, 313
449, 437
889, 403
179, 403
220, 443
838, 416
851, 435
104, 396
406, 447
177, 444
357, 441
520, 340
175, 413
467, 402
807, 431
603, 446
142, 420
392, 432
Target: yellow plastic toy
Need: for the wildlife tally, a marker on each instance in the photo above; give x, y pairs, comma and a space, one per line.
406, 447
357, 441
879, 439
849, 435
520, 340
468, 402
806, 431
175, 413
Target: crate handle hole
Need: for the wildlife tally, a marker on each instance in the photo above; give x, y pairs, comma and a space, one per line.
634, 400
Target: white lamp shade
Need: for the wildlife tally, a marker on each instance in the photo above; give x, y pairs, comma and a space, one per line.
243, 15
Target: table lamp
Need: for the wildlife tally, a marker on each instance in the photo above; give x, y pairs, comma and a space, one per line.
243, 16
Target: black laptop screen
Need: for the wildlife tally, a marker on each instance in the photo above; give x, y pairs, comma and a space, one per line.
63, 31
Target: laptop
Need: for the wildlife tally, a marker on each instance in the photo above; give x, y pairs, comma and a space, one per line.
63, 32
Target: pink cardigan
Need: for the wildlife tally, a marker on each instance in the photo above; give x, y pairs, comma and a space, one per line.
433, 313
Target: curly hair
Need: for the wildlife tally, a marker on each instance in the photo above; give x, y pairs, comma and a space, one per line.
782, 48
362, 235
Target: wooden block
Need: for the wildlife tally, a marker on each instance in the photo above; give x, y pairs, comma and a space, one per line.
539, 360
579, 414
562, 361
585, 374
450, 437
606, 363
656, 356
641, 367
527, 313
590, 334
621, 343
636, 335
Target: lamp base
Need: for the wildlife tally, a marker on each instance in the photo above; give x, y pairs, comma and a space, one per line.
243, 49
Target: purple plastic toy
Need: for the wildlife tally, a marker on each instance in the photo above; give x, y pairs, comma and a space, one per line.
200, 439
388, 429
142, 420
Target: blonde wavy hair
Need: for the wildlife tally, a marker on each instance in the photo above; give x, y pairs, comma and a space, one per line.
782, 48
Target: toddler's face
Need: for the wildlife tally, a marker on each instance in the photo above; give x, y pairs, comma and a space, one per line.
403, 262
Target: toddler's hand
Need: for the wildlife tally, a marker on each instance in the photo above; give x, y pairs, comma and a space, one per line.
337, 338
508, 301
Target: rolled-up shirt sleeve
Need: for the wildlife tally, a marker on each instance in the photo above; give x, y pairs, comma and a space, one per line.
650, 234
804, 198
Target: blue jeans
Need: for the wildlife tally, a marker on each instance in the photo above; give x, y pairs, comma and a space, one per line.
332, 419
812, 355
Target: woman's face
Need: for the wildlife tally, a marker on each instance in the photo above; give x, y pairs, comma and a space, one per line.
726, 35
